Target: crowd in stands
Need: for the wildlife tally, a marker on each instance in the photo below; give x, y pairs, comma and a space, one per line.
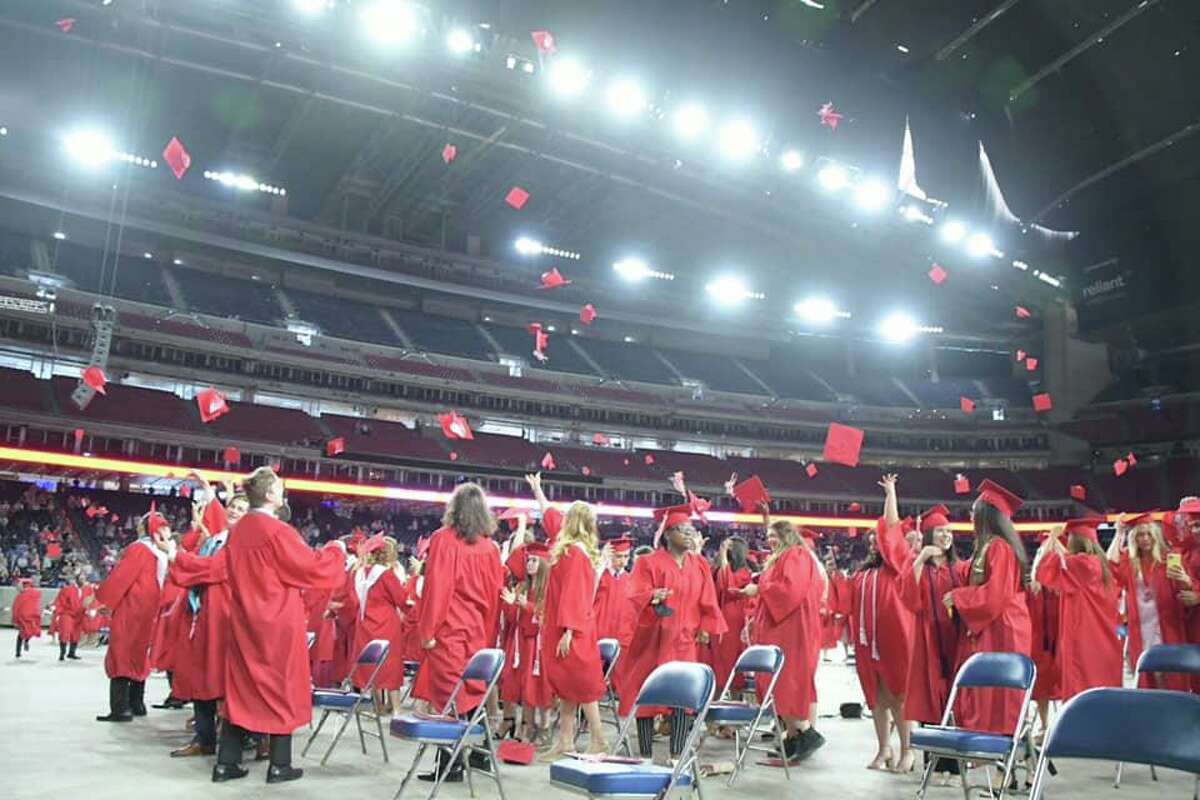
36, 537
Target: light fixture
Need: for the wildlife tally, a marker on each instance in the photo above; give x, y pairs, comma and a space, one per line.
625, 98
528, 247
568, 77
872, 195
634, 269
833, 177
819, 311
690, 121
177, 262
461, 42
90, 148
147, 254
953, 231
244, 183
1048, 279
730, 291
629, 340
738, 139
311, 6
902, 48
3, 130
59, 235
899, 328
390, 22
1021, 265
791, 160
980, 245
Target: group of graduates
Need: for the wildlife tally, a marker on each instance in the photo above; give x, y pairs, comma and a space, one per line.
247, 617
74, 615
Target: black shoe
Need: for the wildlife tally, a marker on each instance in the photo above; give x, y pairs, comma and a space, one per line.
115, 718
480, 760
73, 657
283, 773
118, 701
171, 703
454, 776
137, 694
808, 743
228, 772
790, 745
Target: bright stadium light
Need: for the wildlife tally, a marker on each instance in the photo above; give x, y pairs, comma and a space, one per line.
59, 235
833, 178
730, 291
568, 77
529, 247
460, 42
914, 213
390, 21
90, 148
791, 160
738, 139
872, 195
632, 269
625, 98
818, 310
980, 245
899, 328
690, 121
312, 7
953, 231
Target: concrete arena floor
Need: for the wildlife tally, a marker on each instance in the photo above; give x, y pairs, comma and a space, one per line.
52, 747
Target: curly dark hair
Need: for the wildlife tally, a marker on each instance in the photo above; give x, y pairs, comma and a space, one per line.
468, 514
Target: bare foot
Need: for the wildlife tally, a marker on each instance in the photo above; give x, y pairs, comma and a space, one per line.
882, 760
906, 763
598, 746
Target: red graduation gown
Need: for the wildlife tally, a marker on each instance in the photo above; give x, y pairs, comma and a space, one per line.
380, 619
1172, 617
649, 640
200, 668
577, 677
68, 609
268, 688
996, 620
460, 608
1043, 619
412, 617
735, 607
345, 622
132, 591
612, 600
510, 681
934, 658
27, 613
1089, 653
788, 614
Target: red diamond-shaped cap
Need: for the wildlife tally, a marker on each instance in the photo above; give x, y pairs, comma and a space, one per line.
516, 197
177, 157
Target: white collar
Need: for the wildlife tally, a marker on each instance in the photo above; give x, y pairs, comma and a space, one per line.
161, 562
363, 582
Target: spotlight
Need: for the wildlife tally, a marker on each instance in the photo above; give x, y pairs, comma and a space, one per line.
147, 254
625, 98
390, 21
791, 160
898, 328
818, 311
59, 235
872, 195
738, 139
460, 42
690, 121
632, 269
90, 148
528, 247
3, 130
311, 7
568, 77
953, 231
177, 262
730, 291
833, 178
980, 245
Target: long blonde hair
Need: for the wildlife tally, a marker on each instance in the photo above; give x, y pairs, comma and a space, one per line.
579, 527
1157, 549
788, 536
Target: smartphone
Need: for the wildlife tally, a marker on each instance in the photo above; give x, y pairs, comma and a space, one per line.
1174, 561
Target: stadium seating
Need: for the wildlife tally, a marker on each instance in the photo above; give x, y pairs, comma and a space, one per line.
789, 376
343, 318
419, 366
716, 372
525, 383
452, 337
518, 342
129, 405
24, 392
626, 361
498, 451
376, 437
226, 296
267, 424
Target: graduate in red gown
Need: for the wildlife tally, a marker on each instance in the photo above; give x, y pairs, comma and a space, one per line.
27, 614
532, 685
569, 651
268, 689
132, 591
612, 597
673, 604
1186, 573
1089, 652
1138, 553
200, 669
68, 609
788, 614
733, 576
991, 607
1043, 608
381, 600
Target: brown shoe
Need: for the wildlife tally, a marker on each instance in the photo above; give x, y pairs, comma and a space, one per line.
193, 749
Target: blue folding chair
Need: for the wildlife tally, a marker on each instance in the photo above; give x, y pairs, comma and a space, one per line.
610, 653
981, 671
1182, 659
744, 718
680, 685
1140, 726
458, 736
353, 704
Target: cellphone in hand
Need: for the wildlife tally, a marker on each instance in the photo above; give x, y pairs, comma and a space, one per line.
1174, 561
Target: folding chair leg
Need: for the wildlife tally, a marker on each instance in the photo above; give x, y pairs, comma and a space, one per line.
925, 776
1153, 773
1117, 777
336, 737
963, 770
1196, 789
470, 772
313, 737
780, 738
1039, 779
455, 752
382, 738
412, 769
362, 740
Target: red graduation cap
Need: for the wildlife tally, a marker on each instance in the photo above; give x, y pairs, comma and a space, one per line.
154, 520
335, 446
855, 507
212, 404
699, 506
541, 339
967, 405
599, 439
516, 197
455, 426
843, 444
374, 543
621, 545
750, 494
1131, 459
95, 378
1142, 518
1020, 355
215, 519
1079, 492
1031, 363
53, 550
811, 469
177, 158
587, 314
1189, 505
357, 537
1022, 312
65, 24
674, 515
935, 517
1120, 467
548, 462
453, 455
829, 116
231, 455
79, 433
997, 496
908, 524
553, 279
649, 459
539, 549
1085, 527
185, 491
937, 274
449, 153
544, 42
1042, 402
511, 751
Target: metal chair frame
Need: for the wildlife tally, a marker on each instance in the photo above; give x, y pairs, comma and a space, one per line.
765, 703
356, 711
1149, 658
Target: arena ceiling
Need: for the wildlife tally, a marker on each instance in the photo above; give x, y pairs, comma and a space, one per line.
1086, 109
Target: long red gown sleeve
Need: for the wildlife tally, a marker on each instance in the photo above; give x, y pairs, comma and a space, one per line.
131, 590
980, 605
1089, 653
711, 620
788, 616
552, 522
577, 677
441, 565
